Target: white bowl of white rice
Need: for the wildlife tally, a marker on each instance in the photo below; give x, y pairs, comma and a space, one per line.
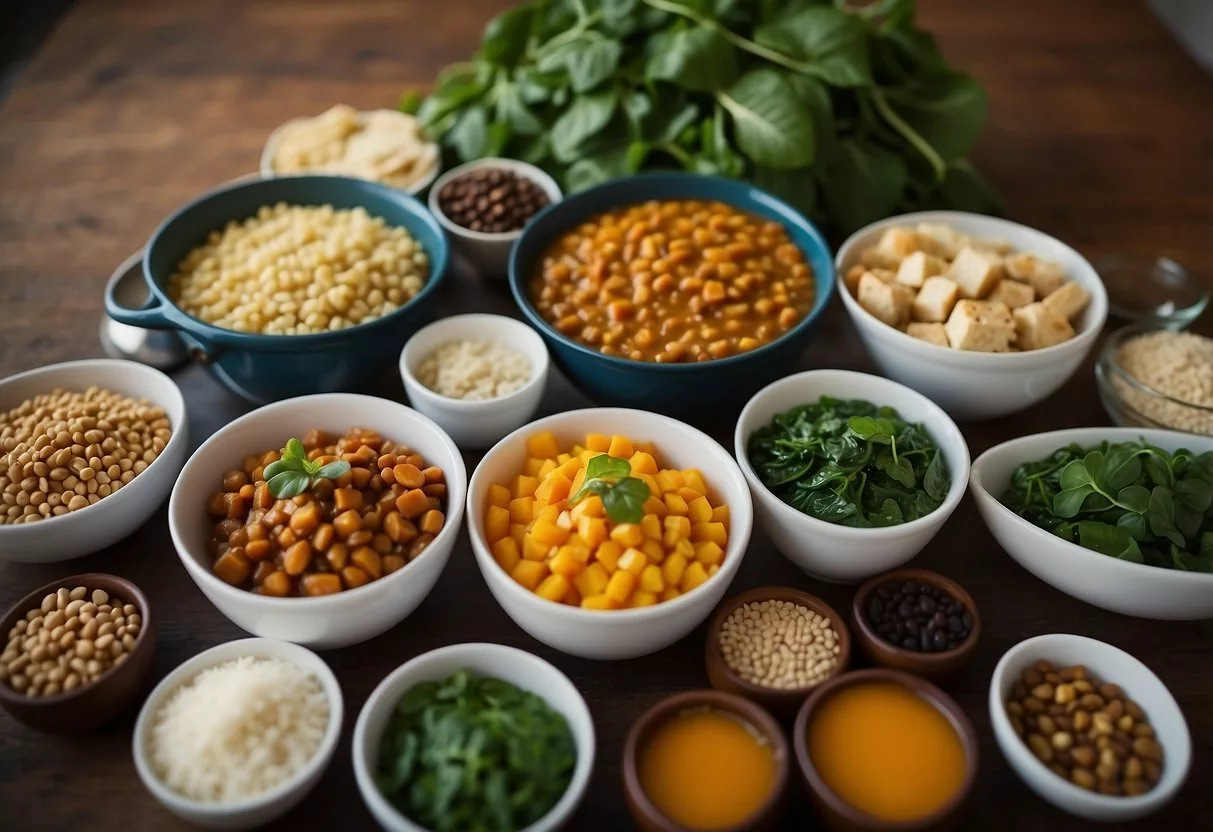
478, 376
238, 735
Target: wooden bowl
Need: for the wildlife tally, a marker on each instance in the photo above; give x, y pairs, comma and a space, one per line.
647, 817
841, 816
88, 707
782, 703
938, 667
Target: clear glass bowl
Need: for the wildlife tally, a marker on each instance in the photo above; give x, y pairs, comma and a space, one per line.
1130, 403
1151, 291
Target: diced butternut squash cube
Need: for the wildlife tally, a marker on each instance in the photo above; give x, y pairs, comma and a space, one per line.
593, 530
677, 528
675, 504
522, 509
685, 548
640, 598
572, 597
669, 594
709, 531
690, 495
643, 463
693, 478
694, 575
576, 450
621, 584
532, 466
648, 480
651, 579
499, 496
578, 548
551, 534
700, 510
646, 447
524, 486
590, 506
634, 561
566, 562
720, 514
561, 459
496, 524
597, 442
518, 534
654, 505
669, 480
713, 569
673, 568
592, 580
599, 602
553, 587
620, 447
506, 553
578, 480
533, 549
565, 520
653, 550
709, 553
651, 524
588, 454
607, 554
554, 488
529, 573
627, 534
542, 445
548, 513
570, 468
548, 466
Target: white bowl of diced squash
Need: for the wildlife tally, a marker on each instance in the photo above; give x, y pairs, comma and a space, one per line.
984, 316
565, 561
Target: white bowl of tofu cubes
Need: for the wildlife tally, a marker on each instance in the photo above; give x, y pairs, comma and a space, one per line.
984, 316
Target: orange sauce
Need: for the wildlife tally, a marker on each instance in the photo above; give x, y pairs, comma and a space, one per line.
706, 769
886, 751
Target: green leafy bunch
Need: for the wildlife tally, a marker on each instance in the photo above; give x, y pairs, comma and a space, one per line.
474, 754
849, 113
1129, 500
294, 473
622, 495
850, 462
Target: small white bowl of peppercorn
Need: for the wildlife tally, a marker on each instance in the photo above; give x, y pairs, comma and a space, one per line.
485, 204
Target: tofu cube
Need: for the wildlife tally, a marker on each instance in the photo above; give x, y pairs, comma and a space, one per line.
980, 326
999, 247
1037, 326
1013, 293
1044, 276
857, 272
901, 242
852, 278
918, 267
940, 240
935, 300
878, 258
888, 302
975, 272
931, 333
1068, 300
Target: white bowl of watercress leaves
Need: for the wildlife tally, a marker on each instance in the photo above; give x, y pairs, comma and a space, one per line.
1118, 517
851, 474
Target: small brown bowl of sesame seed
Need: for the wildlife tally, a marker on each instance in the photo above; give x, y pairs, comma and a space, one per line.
775, 645
75, 653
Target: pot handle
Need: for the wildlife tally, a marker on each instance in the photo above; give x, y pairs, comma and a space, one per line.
149, 316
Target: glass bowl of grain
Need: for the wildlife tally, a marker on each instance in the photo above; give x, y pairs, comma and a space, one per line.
1155, 377
479, 376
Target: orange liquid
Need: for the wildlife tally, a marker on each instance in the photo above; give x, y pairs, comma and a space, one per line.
887, 752
707, 770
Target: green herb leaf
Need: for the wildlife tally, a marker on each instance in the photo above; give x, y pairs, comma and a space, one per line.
1068, 502
698, 59
588, 60
771, 125
289, 484
470, 135
622, 495
864, 184
333, 470
624, 503
588, 114
936, 481
594, 170
277, 467
1109, 540
605, 466
830, 43
946, 109
505, 36
294, 450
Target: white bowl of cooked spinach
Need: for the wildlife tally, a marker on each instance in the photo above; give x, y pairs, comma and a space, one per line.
474, 737
1121, 518
851, 474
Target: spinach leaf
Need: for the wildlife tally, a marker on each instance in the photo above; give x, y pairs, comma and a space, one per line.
587, 115
505, 36
470, 135
698, 59
864, 183
771, 126
946, 109
831, 43
589, 60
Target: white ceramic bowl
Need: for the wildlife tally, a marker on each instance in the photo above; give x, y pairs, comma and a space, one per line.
518, 667
828, 551
977, 385
1109, 664
103, 524
271, 150
476, 424
264, 808
614, 634
328, 621
487, 253
1108, 582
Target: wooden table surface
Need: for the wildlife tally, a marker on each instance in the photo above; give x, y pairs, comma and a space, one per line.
1099, 132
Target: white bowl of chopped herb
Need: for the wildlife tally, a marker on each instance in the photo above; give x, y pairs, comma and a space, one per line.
1118, 517
851, 474
504, 735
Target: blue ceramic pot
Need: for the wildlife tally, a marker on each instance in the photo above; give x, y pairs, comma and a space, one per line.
703, 388
266, 368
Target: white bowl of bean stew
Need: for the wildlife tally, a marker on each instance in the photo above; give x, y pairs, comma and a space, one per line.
346, 559
93, 482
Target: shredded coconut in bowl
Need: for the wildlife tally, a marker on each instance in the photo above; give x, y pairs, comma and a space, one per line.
474, 370
1178, 365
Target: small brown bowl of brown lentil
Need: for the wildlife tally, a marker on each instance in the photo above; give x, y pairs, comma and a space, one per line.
76, 653
774, 645
916, 621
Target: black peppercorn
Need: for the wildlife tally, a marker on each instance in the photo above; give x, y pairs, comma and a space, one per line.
491, 200
918, 617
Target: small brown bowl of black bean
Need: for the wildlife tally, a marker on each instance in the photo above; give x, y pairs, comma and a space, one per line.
485, 204
916, 621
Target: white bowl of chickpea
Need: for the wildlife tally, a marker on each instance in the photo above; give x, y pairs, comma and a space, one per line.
346, 557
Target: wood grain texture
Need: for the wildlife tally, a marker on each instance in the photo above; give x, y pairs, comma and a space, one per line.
1099, 133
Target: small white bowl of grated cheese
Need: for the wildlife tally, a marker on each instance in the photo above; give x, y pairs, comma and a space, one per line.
239, 734
479, 377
